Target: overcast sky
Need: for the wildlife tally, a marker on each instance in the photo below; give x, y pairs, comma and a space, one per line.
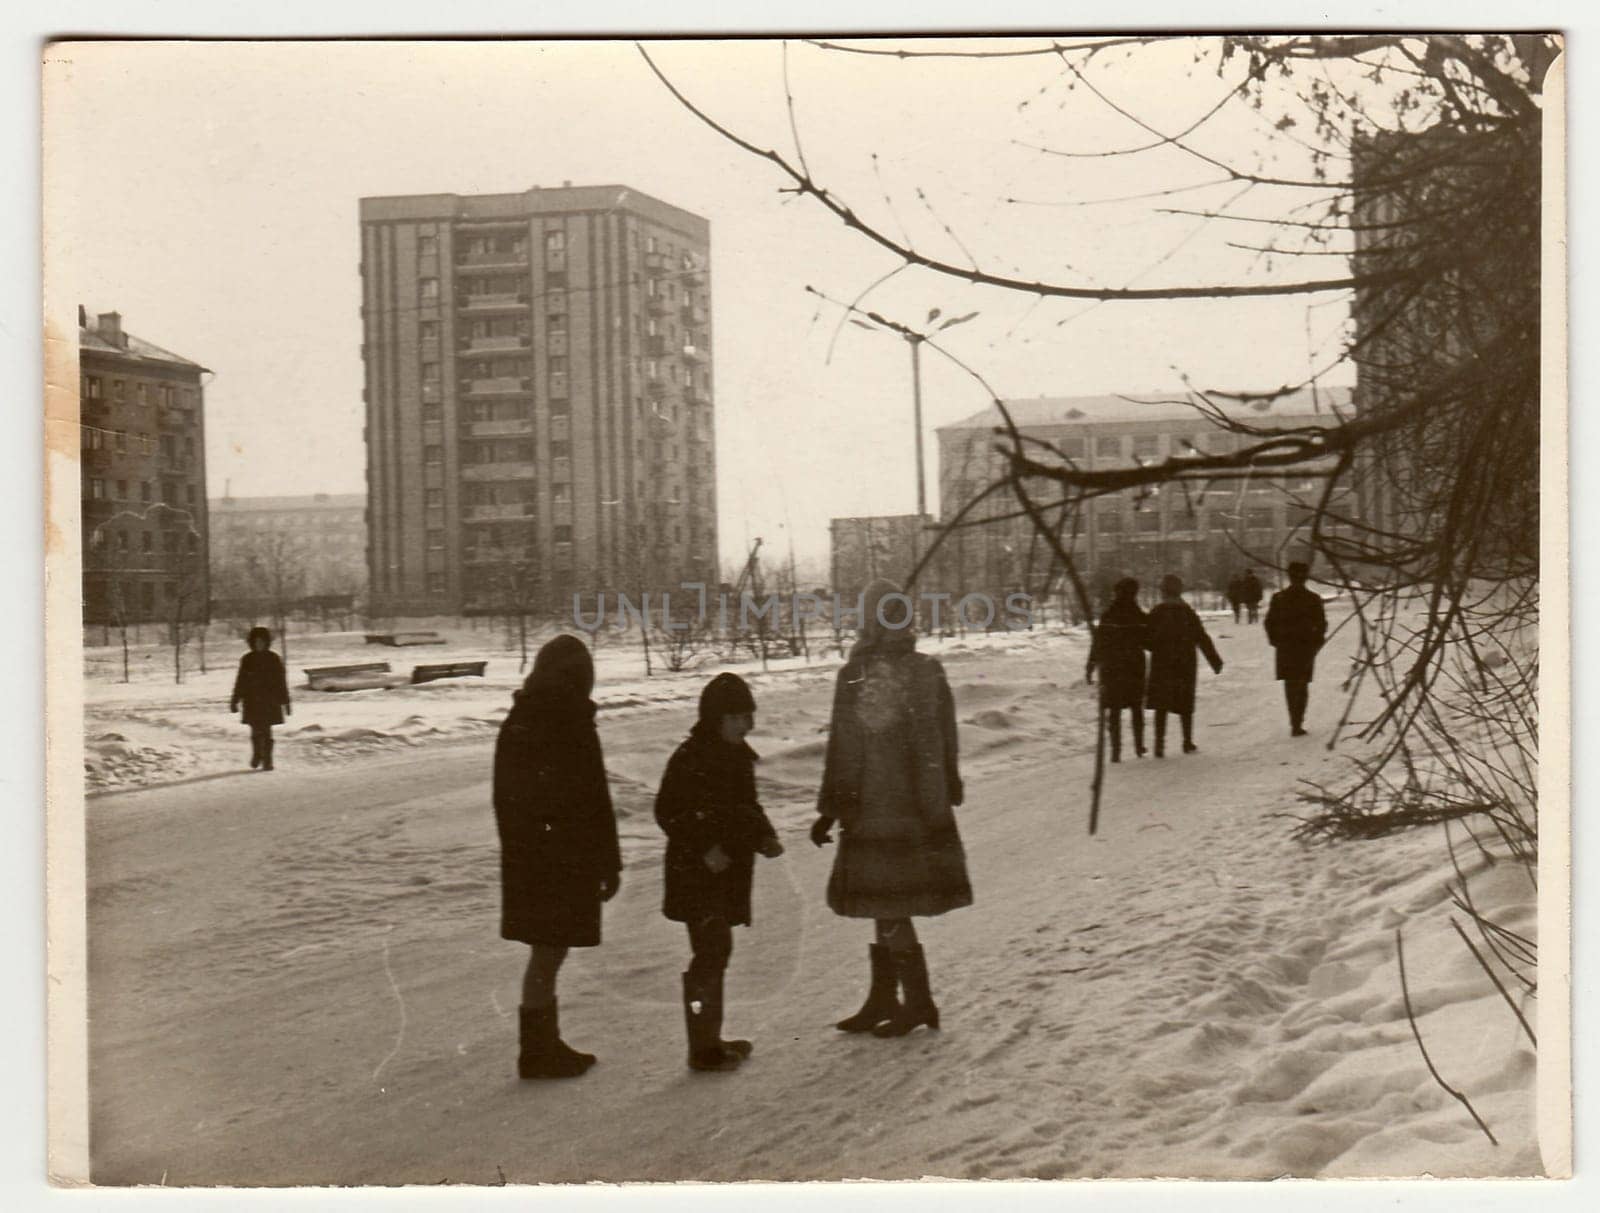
209, 193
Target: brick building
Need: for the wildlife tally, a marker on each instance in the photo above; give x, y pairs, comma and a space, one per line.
1204, 532
142, 426
538, 397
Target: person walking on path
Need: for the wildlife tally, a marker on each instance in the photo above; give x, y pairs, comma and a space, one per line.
1250, 593
890, 780
1175, 634
707, 808
1296, 626
1118, 652
559, 857
1236, 594
262, 690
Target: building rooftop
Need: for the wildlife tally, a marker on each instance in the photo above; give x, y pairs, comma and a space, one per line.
306, 501
1154, 406
112, 338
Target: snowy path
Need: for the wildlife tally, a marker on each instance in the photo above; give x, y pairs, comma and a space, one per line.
296, 978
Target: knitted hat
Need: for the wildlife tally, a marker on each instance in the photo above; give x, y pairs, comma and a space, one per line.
256, 634
726, 695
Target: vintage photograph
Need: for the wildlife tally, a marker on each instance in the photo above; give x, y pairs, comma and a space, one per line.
811, 608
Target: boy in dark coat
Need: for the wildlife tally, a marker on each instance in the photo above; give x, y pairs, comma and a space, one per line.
1175, 634
1250, 593
707, 807
1118, 652
559, 857
1236, 594
1296, 626
263, 691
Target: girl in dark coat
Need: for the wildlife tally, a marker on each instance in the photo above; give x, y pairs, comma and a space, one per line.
890, 780
1175, 633
1118, 652
264, 693
707, 808
559, 858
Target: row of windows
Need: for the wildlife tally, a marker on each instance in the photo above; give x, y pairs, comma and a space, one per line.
93, 387
92, 438
121, 490
171, 541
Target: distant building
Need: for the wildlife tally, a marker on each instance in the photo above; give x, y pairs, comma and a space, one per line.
1202, 531
864, 549
327, 535
142, 427
538, 396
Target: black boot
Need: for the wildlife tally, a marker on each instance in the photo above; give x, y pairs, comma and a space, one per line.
266, 754
1138, 732
255, 751
881, 1001
917, 1007
702, 1020
739, 1048
543, 1053
1161, 734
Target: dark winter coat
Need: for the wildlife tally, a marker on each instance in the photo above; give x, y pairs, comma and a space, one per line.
708, 799
1250, 590
1118, 653
891, 778
1296, 626
261, 687
1175, 634
1236, 592
552, 806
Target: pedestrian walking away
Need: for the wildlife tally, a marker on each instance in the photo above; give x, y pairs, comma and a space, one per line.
1297, 626
1175, 636
715, 827
1117, 651
1250, 593
262, 691
1236, 595
559, 857
890, 781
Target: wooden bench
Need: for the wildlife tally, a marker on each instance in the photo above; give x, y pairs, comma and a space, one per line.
320, 678
448, 669
405, 639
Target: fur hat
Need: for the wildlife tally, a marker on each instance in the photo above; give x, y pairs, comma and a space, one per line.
255, 634
726, 695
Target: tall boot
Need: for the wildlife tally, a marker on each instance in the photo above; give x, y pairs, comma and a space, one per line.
1114, 733
543, 1053
255, 749
881, 1002
702, 1020
266, 752
1138, 732
917, 1009
1161, 733
739, 1048
1186, 720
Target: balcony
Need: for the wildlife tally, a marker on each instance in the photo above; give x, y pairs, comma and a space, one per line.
656, 263
696, 353
503, 302
467, 347
501, 385
497, 471
658, 305
694, 394
170, 417
692, 313
514, 427
500, 513
476, 262
655, 345
176, 462
96, 459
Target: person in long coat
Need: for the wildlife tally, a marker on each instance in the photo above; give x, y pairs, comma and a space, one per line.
1236, 594
890, 780
1297, 626
1117, 651
262, 691
715, 827
559, 856
1250, 593
1175, 635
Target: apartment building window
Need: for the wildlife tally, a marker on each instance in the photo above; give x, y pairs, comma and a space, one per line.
433, 412
1146, 446
428, 246
122, 541
429, 330
117, 389
561, 493
560, 450
433, 498
433, 454
435, 540
91, 387
650, 244
188, 445
97, 490
147, 542
169, 445
122, 490
1259, 520
1108, 446
139, 393
194, 542
1148, 522
430, 374
120, 439
166, 395
1108, 523
563, 534
555, 241
428, 290
435, 583
146, 491
189, 495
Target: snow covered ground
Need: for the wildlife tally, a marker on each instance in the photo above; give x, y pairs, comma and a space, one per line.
297, 977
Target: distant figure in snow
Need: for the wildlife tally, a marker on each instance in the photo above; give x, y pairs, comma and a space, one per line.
1236, 594
714, 826
1250, 593
1175, 634
559, 858
890, 779
1118, 652
264, 693
1296, 625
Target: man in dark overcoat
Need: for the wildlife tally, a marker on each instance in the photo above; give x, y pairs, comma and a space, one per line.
1297, 625
1250, 594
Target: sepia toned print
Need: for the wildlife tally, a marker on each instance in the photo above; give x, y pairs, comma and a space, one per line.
807, 609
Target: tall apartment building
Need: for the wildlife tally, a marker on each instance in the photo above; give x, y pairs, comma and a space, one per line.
538, 397
1201, 531
142, 439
